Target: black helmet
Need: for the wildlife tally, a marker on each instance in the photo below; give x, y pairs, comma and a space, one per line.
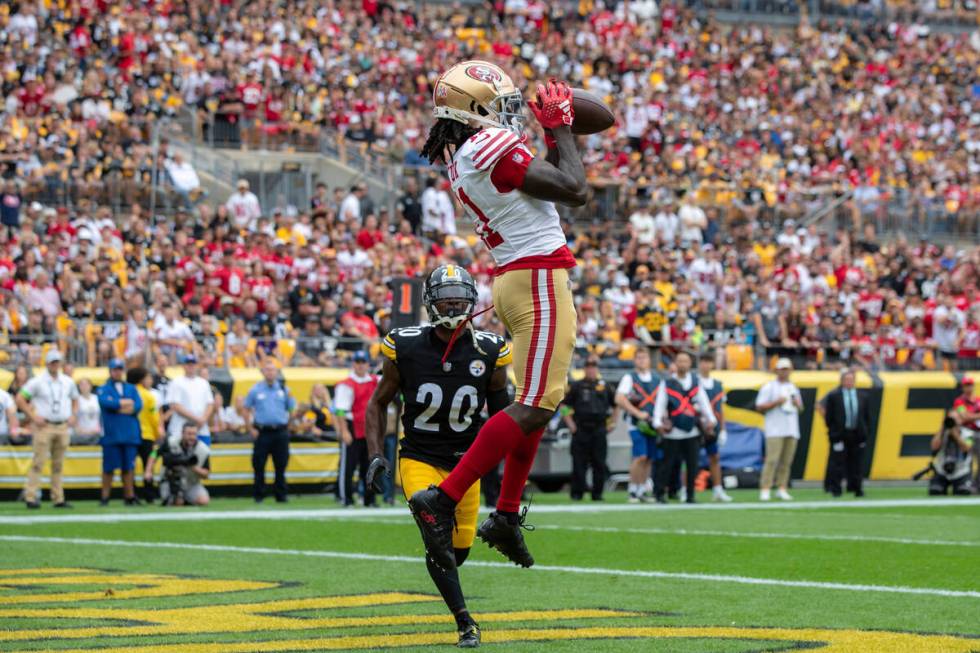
449, 282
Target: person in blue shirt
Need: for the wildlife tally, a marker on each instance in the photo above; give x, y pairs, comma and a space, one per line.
270, 406
120, 403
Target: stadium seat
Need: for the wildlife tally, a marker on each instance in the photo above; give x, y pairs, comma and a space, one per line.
738, 356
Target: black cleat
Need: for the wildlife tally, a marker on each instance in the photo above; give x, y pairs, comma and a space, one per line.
469, 637
506, 537
435, 515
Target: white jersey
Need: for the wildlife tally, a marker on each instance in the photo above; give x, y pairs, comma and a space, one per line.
513, 225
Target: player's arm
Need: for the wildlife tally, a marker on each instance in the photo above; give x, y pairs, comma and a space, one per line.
564, 181
376, 418
497, 398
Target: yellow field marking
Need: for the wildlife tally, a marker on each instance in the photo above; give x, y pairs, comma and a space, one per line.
250, 618
44, 571
267, 617
149, 586
827, 641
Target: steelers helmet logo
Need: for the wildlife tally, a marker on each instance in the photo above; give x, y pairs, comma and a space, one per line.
484, 74
477, 368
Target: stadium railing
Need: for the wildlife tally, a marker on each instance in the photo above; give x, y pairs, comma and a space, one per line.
93, 344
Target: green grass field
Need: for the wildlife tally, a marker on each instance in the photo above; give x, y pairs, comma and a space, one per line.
893, 573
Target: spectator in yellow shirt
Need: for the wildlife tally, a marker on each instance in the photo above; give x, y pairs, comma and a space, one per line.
151, 426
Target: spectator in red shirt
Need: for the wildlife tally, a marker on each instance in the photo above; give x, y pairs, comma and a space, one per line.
356, 322
370, 235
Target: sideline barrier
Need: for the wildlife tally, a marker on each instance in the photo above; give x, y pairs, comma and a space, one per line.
907, 409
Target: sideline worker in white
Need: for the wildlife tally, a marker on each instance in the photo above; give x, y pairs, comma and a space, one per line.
50, 402
781, 402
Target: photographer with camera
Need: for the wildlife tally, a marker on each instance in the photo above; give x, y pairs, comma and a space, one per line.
186, 464
951, 463
966, 412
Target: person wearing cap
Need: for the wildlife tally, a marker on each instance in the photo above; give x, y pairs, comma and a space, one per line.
244, 206
586, 410
781, 402
847, 413
191, 400
270, 407
120, 403
50, 402
350, 403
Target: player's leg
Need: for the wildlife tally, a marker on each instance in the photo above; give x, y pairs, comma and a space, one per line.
417, 476
466, 514
537, 308
502, 432
542, 386
539, 393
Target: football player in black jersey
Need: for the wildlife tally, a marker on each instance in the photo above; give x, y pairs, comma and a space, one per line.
445, 371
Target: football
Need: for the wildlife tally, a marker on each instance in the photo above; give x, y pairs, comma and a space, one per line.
591, 114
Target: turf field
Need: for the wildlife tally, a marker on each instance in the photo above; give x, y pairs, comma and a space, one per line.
895, 572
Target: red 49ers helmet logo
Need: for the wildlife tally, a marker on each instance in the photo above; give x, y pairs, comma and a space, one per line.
484, 74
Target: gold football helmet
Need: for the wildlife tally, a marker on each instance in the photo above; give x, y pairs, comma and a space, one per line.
479, 94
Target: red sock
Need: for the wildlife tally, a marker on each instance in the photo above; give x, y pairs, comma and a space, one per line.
516, 469
497, 437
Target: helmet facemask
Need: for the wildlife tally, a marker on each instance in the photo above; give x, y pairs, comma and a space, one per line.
510, 111
455, 290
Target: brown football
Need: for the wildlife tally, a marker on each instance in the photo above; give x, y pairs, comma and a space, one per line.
591, 114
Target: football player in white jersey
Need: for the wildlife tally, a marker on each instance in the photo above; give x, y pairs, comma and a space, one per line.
510, 194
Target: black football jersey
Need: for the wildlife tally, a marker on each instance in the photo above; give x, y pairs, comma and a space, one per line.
442, 402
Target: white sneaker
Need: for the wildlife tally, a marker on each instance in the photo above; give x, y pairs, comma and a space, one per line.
784, 495
682, 495
633, 498
721, 495
763, 495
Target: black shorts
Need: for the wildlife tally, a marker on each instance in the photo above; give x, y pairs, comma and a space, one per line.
144, 451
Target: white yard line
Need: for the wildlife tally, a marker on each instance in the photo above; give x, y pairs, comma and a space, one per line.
339, 555
191, 514
730, 534
762, 536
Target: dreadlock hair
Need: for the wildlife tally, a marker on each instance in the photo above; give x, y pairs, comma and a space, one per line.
444, 133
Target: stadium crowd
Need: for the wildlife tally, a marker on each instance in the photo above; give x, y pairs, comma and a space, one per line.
725, 138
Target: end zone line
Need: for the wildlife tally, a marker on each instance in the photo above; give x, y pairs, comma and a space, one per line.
205, 514
671, 575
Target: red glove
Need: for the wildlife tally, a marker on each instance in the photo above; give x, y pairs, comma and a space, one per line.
553, 107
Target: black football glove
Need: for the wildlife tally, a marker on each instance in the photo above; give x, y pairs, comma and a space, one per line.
378, 471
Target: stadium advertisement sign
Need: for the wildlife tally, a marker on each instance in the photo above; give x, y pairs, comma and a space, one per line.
906, 411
